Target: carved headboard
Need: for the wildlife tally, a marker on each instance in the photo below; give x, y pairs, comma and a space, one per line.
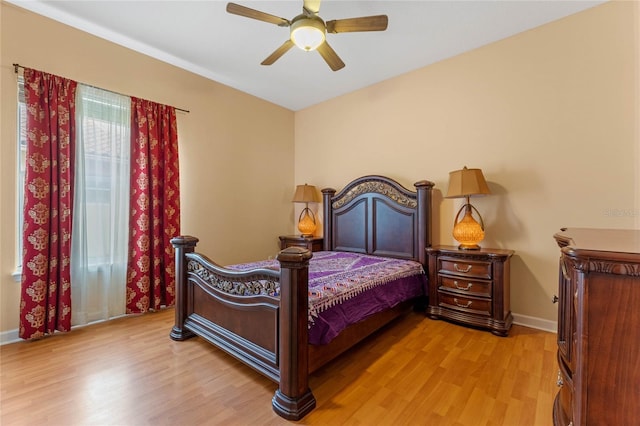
378, 216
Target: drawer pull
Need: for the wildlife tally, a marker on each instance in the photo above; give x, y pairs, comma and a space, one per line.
467, 288
455, 300
457, 268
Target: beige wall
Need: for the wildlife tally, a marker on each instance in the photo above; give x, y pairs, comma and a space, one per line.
236, 151
550, 116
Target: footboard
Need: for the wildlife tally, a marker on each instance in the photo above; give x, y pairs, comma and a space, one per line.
258, 316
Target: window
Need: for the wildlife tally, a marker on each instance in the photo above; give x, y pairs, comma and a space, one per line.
101, 200
101, 205
102, 168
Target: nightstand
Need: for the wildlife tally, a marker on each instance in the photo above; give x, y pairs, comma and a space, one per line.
471, 287
311, 243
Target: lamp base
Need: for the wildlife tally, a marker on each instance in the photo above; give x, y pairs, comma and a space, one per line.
467, 231
307, 223
469, 247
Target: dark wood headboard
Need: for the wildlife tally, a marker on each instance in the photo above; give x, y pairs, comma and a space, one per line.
378, 216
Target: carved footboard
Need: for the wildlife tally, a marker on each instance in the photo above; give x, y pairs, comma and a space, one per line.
240, 313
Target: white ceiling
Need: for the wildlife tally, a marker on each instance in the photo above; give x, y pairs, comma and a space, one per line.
200, 36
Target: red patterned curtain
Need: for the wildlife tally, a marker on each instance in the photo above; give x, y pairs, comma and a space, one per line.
45, 303
155, 206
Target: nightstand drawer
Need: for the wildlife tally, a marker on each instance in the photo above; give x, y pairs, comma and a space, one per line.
465, 304
302, 244
463, 267
469, 287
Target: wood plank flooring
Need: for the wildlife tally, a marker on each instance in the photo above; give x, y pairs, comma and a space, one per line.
415, 372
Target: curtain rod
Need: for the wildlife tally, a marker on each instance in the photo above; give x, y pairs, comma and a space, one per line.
16, 67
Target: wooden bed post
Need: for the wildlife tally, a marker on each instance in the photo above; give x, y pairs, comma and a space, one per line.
293, 399
327, 193
182, 245
424, 189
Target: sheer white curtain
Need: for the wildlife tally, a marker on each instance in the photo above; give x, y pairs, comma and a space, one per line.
101, 205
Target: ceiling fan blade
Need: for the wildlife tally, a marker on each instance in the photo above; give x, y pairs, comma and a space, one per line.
284, 48
330, 56
365, 23
311, 6
237, 9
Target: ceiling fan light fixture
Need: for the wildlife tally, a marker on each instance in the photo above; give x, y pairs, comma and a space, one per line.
308, 32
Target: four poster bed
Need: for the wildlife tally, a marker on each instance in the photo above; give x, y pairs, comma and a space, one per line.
287, 317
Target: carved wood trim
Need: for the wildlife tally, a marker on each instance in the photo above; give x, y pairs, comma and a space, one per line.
380, 187
604, 267
254, 284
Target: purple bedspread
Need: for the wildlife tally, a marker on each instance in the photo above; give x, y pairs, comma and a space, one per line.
345, 288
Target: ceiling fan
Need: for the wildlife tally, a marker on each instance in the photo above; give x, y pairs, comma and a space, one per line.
308, 30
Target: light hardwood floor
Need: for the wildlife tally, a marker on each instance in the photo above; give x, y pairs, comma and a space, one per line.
415, 372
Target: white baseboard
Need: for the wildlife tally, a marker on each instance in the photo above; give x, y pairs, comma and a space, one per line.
537, 323
10, 336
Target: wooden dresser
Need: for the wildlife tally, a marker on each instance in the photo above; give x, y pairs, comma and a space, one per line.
598, 327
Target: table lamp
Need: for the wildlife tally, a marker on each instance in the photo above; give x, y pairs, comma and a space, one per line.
467, 183
307, 220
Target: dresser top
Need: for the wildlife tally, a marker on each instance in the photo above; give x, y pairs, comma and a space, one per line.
600, 240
